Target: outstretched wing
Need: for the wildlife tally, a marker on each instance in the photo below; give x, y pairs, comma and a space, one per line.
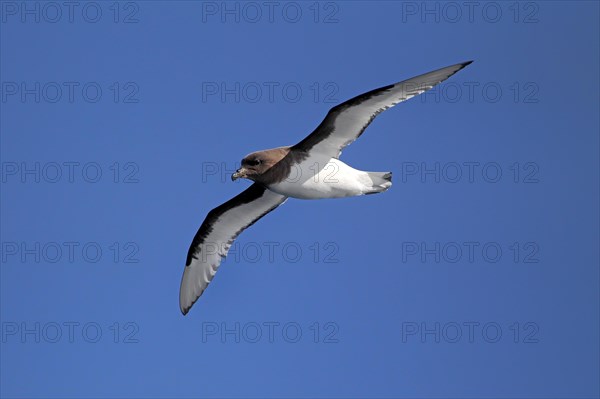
218, 231
345, 122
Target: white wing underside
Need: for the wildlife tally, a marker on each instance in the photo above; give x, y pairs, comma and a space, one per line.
220, 228
346, 122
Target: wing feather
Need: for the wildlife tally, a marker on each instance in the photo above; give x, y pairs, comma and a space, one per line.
214, 238
345, 122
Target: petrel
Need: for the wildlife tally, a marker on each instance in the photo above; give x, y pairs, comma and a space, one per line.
310, 169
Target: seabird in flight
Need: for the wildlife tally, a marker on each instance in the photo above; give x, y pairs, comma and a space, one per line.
310, 169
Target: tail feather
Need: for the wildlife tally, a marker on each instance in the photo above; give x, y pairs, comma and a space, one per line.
381, 182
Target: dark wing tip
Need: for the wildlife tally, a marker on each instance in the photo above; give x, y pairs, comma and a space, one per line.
464, 64
185, 310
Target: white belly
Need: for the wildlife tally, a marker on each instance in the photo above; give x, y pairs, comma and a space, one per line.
308, 180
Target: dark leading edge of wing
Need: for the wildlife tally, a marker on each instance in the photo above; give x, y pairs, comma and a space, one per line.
220, 228
345, 122
250, 194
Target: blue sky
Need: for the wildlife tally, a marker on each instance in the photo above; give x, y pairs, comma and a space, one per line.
475, 275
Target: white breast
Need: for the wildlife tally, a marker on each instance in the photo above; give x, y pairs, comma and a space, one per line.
309, 180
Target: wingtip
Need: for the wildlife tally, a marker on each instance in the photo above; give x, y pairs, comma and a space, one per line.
184, 310
464, 64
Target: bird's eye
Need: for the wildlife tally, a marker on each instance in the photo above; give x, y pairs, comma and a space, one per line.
253, 162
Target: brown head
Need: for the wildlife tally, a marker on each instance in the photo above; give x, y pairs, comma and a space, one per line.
254, 165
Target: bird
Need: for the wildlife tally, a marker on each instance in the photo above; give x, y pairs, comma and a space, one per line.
310, 169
